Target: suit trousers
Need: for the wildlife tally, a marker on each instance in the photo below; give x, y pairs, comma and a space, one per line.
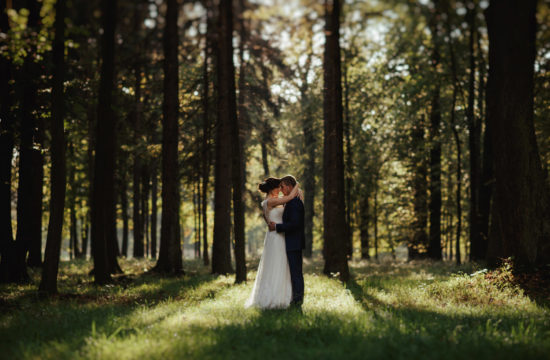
296, 275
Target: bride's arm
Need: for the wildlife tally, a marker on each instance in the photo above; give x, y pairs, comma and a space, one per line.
272, 202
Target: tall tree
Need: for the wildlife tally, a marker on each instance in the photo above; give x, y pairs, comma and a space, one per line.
434, 246
474, 140
335, 245
103, 181
238, 168
206, 127
221, 247
521, 205
29, 197
170, 256
419, 239
58, 172
6, 149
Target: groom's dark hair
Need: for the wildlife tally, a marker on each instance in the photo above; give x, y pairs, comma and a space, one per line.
289, 180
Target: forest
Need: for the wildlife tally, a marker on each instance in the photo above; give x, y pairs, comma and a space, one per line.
134, 134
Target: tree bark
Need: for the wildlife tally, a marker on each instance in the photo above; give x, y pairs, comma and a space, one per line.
28, 200
6, 151
434, 246
238, 129
335, 227
154, 212
104, 144
364, 221
520, 212
476, 239
205, 164
58, 172
125, 219
170, 255
221, 256
487, 176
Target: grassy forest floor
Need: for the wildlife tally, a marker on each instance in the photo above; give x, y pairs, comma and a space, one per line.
388, 311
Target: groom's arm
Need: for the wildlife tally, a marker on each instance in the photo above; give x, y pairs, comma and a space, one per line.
293, 219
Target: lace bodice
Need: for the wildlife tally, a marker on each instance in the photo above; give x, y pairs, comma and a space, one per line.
275, 214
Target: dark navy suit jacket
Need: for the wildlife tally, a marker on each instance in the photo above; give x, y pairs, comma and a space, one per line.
293, 225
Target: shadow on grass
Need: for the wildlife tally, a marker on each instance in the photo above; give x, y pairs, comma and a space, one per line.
410, 334
29, 322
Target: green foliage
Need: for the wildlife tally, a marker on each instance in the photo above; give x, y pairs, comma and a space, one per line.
401, 311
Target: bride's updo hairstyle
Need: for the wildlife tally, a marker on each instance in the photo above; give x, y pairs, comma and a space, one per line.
269, 184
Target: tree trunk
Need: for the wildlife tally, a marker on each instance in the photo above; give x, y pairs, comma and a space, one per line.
419, 240
125, 219
487, 175
104, 144
221, 256
310, 144
145, 207
170, 255
521, 211
154, 212
364, 225
58, 178
348, 167
476, 239
237, 130
335, 227
205, 151
434, 247
29, 157
6, 151
73, 233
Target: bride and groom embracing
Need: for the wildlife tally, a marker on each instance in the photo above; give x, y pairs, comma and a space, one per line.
280, 281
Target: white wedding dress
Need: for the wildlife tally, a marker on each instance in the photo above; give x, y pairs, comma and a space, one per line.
272, 288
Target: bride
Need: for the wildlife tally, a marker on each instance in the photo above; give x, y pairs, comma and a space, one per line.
272, 288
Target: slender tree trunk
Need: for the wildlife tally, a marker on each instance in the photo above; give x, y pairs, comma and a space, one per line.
335, 227
73, 232
364, 220
237, 131
105, 142
125, 219
170, 255
205, 164
145, 207
476, 239
154, 211
58, 179
348, 166
419, 241
434, 247
6, 151
486, 170
457, 142
521, 209
310, 144
221, 256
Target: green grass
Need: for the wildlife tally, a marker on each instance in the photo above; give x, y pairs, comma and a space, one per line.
388, 311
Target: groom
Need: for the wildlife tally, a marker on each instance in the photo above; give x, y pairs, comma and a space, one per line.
293, 227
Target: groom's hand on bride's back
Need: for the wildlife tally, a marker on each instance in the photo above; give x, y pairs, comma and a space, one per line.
272, 226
